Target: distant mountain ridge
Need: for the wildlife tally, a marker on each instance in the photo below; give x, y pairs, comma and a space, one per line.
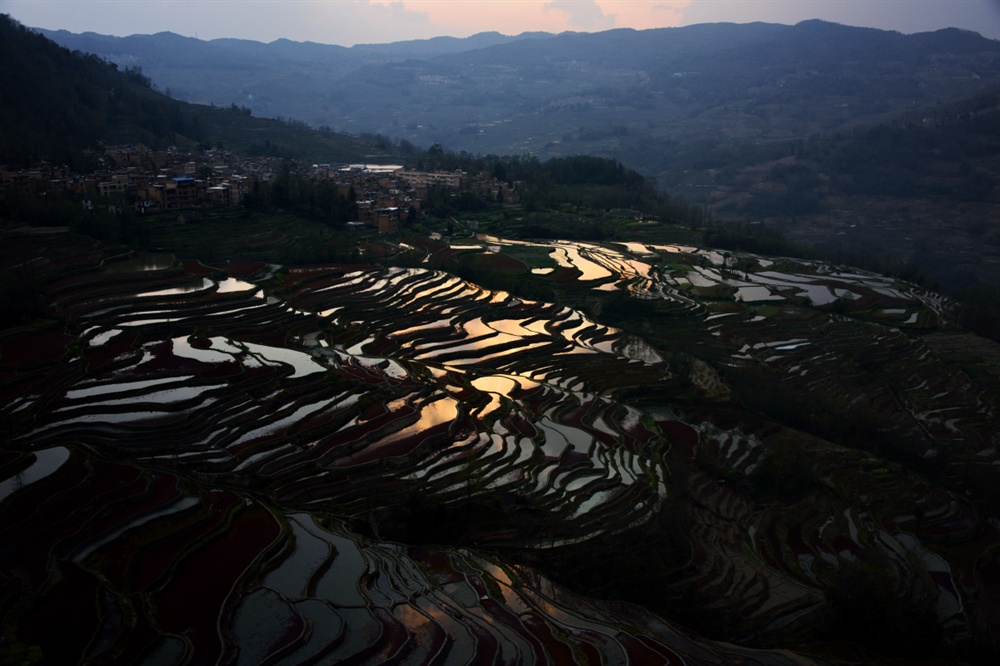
173, 49
845, 137
653, 99
57, 104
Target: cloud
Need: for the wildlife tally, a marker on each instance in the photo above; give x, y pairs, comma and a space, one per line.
669, 7
362, 21
643, 15
584, 14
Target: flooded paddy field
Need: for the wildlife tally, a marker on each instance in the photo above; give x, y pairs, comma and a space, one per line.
377, 464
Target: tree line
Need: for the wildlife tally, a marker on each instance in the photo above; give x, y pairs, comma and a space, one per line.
583, 181
303, 196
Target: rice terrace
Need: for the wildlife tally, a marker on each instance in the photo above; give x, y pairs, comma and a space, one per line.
392, 464
643, 346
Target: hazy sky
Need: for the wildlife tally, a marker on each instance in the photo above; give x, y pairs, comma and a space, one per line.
349, 22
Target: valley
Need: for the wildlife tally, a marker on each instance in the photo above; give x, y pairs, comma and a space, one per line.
272, 394
760, 123
656, 100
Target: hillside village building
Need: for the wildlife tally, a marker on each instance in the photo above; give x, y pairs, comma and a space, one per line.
169, 180
451, 179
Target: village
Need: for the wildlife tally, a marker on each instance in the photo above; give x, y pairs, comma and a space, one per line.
155, 181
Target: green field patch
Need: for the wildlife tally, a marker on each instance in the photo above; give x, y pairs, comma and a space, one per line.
717, 291
533, 257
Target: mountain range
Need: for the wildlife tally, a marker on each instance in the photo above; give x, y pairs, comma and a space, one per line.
763, 122
870, 145
654, 99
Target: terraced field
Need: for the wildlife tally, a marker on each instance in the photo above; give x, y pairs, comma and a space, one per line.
262, 464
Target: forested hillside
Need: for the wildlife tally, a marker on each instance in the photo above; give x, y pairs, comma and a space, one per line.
919, 196
58, 103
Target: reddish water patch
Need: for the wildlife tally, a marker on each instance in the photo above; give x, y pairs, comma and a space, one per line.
555, 650
70, 606
131, 501
245, 268
194, 602
37, 348
199, 269
680, 435
150, 564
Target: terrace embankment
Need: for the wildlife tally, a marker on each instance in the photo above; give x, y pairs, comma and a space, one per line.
375, 462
